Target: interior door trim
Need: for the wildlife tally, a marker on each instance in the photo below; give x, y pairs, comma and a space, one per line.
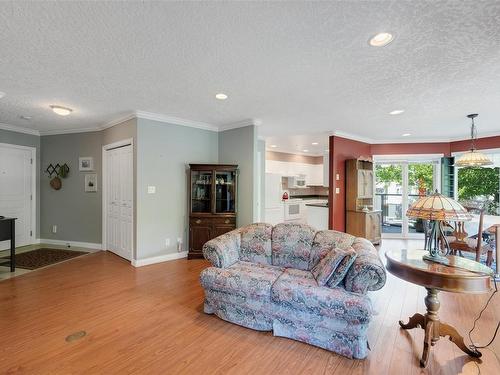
105, 148
34, 190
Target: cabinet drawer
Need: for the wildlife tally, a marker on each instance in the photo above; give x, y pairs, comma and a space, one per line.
224, 220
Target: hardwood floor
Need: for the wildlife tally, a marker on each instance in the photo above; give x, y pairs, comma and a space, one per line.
150, 321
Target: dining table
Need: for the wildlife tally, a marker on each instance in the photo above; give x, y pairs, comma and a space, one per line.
491, 224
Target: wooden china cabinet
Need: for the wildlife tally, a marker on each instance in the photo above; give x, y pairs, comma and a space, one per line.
361, 219
212, 203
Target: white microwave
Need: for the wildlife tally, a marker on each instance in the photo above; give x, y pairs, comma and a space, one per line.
297, 181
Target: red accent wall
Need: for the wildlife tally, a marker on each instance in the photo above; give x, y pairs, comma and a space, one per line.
481, 144
411, 148
341, 149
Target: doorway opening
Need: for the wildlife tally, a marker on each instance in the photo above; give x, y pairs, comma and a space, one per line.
399, 182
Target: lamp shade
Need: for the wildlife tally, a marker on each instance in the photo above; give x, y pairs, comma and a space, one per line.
473, 158
438, 207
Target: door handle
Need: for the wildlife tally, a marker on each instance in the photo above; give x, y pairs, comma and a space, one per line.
198, 221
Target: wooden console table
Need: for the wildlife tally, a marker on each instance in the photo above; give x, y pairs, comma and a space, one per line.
8, 232
409, 265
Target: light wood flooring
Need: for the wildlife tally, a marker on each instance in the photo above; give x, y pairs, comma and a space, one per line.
150, 320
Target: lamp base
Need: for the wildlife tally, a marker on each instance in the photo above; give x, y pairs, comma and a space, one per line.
436, 259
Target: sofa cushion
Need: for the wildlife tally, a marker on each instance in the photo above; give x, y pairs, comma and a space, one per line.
242, 278
291, 245
341, 271
327, 266
296, 289
326, 240
256, 243
367, 272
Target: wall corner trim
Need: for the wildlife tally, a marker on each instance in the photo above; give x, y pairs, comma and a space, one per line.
19, 129
158, 259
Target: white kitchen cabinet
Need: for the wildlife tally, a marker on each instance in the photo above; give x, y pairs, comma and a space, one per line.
313, 172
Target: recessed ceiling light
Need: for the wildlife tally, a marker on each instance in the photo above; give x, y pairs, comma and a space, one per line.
61, 111
2, 94
381, 39
221, 96
305, 150
406, 134
274, 146
315, 143
396, 112
25, 117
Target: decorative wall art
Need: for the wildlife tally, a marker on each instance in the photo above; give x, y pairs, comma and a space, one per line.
86, 163
60, 171
91, 182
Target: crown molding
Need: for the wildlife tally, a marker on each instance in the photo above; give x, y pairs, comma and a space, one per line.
118, 120
69, 131
240, 124
19, 129
175, 120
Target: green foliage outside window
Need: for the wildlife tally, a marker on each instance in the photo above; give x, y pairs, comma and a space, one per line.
419, 175
480, 183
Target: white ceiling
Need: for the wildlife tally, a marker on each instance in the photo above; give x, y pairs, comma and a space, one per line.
299, 67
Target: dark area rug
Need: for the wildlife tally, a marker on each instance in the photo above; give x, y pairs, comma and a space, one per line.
31, 260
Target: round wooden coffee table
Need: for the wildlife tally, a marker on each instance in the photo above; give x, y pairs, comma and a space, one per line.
456, 277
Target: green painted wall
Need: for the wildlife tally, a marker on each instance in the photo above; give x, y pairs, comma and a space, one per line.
239, 146
163, 154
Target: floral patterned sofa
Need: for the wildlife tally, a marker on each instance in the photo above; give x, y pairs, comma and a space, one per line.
261, 279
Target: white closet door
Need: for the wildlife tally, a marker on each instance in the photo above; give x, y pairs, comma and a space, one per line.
15, 192
119, 219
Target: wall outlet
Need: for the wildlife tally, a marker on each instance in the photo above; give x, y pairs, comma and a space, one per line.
337, 177
167, 242
179, 244
151, 189
54, 228
337, 190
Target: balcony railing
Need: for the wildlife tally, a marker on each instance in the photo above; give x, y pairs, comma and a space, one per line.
392, 216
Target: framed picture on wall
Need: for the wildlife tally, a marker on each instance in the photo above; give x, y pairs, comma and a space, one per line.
86, 163
91, 182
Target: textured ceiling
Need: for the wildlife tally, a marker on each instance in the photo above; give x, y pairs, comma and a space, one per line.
301, 67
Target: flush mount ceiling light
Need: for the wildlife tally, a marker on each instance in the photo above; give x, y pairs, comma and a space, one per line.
305, 150
473, 158
274, 146
315, 143
396, 112
61, 111
221, 96
381, 39
406, 134
27, 118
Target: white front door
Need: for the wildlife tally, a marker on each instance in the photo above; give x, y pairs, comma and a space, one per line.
119, 201
15, 191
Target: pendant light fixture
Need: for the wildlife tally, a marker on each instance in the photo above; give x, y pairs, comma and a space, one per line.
473, 158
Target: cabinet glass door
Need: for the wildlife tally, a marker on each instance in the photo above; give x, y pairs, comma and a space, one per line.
201, 198
225, 191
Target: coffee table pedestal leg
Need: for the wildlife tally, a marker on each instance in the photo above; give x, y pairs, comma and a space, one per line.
434, 329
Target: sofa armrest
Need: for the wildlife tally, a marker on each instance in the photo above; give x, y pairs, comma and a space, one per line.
223, 251
367, 272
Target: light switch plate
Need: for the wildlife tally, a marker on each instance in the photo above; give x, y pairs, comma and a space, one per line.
337, 177
337, 190
151, 189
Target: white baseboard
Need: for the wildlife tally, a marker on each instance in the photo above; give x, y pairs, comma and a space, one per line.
158, 259
87, 245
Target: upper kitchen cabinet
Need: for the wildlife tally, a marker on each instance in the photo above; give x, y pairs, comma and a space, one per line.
313, 172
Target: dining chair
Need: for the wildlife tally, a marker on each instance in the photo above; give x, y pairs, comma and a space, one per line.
461, 241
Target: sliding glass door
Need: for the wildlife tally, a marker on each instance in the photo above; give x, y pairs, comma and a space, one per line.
398, 184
